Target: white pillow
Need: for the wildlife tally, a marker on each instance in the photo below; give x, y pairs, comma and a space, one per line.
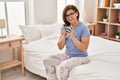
53, 36
44, 30
30, 33
56, 28
50, 30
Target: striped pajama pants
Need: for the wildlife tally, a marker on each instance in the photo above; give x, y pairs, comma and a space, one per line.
58, 66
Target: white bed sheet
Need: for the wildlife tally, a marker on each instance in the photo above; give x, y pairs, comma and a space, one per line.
104, 54
36, 51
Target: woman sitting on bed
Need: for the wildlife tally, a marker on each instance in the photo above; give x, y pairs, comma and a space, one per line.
75, 35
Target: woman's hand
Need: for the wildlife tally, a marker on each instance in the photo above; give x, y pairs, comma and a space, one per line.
64, 31
71, 33
62, 39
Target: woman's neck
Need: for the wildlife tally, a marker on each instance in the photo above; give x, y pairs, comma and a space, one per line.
75, 24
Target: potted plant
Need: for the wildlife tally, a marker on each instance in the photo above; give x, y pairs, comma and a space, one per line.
118, 21
105, 18
117, 35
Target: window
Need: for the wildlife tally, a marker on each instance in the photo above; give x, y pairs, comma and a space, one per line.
70, 2
2, 16
14, 14
60, 6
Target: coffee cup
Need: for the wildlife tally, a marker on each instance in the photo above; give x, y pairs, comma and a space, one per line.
67, 28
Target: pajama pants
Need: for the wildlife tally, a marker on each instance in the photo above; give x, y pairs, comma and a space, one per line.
58, 66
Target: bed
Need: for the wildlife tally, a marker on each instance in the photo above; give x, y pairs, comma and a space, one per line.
104, 54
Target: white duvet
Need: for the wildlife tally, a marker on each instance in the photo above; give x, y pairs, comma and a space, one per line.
104, 54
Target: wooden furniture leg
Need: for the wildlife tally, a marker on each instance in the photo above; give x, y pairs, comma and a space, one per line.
22, 58
0, 75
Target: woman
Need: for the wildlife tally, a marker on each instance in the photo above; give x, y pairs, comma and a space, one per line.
76, 39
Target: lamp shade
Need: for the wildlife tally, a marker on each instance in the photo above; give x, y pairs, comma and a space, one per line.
2, 23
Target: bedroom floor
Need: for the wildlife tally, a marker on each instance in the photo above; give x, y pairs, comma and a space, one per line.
10, 74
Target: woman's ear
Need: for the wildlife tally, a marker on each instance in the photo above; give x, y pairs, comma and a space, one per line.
76, 14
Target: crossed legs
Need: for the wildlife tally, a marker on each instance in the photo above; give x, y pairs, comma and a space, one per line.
58, 66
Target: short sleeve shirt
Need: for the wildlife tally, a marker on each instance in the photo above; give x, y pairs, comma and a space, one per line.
80, 31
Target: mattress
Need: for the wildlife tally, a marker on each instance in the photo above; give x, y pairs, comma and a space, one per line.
104, 55
36, 51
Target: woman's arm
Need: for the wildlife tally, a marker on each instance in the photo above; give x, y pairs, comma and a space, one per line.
62, 39
82, 44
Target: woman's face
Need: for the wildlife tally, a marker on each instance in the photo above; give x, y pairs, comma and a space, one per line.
71, 16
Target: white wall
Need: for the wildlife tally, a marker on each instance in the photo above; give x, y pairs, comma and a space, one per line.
80, 6
88, 12
90, 7
30, 12
45, 11
42, 11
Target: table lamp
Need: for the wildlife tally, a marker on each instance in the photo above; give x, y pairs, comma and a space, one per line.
2, 25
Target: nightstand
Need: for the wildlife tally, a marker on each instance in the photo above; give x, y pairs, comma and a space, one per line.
91, 27
14, 42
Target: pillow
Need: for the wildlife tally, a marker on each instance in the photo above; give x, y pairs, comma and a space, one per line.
50, 30
44, 30
53, 36
30, 33
56, 28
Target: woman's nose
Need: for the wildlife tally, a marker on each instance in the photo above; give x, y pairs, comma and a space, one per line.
69, 17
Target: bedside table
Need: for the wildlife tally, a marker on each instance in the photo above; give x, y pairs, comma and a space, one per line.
12, 41
91, 27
